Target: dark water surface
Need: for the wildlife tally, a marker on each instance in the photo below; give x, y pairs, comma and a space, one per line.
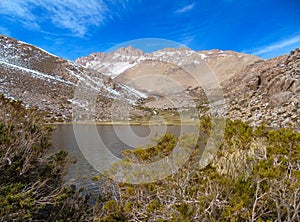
81, 172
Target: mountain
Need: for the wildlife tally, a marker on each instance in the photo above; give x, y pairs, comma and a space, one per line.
118, 64
48, 82
267, 91
256, 90
167, 72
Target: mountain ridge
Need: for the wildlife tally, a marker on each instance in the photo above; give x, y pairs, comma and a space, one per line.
114, 63
46, 81
255, 90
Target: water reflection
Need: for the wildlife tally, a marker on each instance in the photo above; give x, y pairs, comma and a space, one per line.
81, 172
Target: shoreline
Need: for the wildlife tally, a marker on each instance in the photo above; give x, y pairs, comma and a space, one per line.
122, 123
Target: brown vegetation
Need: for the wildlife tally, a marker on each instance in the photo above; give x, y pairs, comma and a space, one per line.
31, 186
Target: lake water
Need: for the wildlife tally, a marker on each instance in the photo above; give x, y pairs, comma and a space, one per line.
115, 138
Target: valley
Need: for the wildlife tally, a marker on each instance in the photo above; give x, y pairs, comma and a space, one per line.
149, 111
171, 135
254, 90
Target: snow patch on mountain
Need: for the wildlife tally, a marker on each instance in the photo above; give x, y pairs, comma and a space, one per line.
119, 67
134, 91
36, 74
114, 63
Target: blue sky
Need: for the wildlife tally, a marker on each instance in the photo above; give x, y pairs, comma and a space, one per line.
75, 28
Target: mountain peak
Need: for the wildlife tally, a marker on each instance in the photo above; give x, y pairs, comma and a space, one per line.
129, 50
114, 63
256, 90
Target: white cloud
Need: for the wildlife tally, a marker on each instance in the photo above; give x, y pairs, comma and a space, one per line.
276, 46
19, 10
76, 16
16, 9
187, 39
185, 9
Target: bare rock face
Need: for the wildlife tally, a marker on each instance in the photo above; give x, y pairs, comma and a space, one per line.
268, 92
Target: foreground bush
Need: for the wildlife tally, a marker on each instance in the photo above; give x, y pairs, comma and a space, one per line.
31, 187
254, 176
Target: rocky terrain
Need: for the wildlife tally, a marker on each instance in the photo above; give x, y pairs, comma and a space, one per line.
48, 82
225, 64
168, 74
267, 91
255, 90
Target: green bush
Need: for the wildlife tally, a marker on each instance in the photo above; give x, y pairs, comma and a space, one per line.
31, 187
255, 176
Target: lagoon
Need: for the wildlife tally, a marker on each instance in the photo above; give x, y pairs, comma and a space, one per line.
115, 138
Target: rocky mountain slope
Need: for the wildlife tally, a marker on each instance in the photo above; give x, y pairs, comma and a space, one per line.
166, 73
41, 79
126, 64
267, 91
256, 90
